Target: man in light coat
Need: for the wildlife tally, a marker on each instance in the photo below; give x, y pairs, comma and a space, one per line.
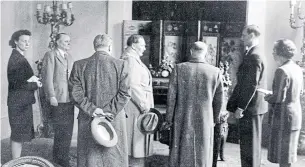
57, 65
99, 85
139, 143
194, 101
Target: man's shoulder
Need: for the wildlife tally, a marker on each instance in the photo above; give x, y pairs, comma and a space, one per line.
257, 53
115, 60
81, 62
50, 53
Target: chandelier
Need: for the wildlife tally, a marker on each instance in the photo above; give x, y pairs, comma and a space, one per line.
55, 15
298, 17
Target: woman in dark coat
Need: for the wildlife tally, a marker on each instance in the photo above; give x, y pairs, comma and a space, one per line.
21, 86
286, 110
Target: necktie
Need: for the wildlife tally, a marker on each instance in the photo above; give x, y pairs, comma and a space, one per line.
65, 57
246, 52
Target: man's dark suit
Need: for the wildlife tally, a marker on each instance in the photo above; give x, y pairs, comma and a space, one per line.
250, 76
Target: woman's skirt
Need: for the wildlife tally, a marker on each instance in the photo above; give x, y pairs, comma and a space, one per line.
21, 122
283, 142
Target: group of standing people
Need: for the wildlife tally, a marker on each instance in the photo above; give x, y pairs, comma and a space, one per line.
195, 101
249, 104
102, 85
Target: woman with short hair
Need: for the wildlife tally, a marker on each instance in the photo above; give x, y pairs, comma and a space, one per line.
286, 112
21, 86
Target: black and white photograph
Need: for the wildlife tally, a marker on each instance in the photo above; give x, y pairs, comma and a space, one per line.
147, 83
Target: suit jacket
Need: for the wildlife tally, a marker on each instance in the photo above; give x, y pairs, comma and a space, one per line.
285, 100
20, 92
100, 81
55, 74
250, 76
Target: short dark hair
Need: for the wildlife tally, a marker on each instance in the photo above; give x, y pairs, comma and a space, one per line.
134, 39
285, 48
16, 35
103, 40
58, 36
253, 29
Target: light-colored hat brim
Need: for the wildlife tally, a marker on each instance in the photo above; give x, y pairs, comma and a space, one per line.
103, 132
141, 117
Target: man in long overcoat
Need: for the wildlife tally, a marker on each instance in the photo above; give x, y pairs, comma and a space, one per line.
249, 105
194, 101
100, 86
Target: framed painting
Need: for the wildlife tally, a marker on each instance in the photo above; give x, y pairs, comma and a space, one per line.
172, 49
173, 33
212, 40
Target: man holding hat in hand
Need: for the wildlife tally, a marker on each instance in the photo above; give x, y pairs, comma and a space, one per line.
100, 87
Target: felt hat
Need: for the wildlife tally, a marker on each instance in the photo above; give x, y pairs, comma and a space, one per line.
150, 121
103, 132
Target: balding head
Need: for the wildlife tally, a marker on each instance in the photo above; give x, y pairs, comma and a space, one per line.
102, 41
199, 48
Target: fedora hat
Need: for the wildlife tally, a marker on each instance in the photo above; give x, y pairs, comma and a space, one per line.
103, 132
150, 122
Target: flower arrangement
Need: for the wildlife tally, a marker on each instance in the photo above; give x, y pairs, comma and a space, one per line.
224, 67
163, 70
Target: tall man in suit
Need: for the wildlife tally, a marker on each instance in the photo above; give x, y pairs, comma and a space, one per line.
248, 104
57, 65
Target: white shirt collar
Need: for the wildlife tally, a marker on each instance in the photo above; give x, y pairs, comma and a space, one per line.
249, 48
62, 53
